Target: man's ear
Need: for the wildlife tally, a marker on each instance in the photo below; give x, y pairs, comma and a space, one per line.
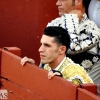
78, 4
62, 49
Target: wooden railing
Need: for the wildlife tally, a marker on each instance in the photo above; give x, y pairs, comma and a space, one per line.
31, 83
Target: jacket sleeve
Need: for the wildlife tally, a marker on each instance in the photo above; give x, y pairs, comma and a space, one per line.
76, 74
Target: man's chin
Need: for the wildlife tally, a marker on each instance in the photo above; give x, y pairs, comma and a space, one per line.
61, 13
43, 62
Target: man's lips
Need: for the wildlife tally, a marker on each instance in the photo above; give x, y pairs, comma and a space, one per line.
42, 56
60, 9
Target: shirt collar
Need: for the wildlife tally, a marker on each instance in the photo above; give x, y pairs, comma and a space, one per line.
60, 64
84, 18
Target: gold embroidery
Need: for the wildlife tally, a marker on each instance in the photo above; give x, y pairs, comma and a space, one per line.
72, 72
77, 81
66, 62
47, 67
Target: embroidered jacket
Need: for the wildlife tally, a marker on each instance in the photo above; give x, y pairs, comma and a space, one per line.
72, 72
85, 37
84, 34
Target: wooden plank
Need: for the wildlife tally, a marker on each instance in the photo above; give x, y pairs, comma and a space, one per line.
90, 87
9, 95
12, 97
35, 79
86, 95
19, 92
14, 50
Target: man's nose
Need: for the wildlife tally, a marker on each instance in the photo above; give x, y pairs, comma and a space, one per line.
41, 48
58, 2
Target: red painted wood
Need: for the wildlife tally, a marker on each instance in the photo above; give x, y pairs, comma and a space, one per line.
90, 87
14, 50
19, 92
30, 81
12, 97
22, 23
35, 79
86, 95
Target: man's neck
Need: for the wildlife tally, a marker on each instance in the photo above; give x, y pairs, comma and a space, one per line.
56, 62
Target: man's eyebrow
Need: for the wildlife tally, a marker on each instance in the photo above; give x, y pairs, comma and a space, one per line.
73, 2
46, 44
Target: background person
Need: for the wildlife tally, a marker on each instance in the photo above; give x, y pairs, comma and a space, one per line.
84, 33
94, 11
94, 15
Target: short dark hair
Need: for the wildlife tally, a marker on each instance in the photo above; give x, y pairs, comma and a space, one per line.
60, 34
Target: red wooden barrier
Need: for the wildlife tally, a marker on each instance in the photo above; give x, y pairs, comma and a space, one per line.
90, 87
83, 94
14, 50
30, 82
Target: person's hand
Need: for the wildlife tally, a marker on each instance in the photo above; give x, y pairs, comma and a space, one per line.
53, 73
78, 12
24, 60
